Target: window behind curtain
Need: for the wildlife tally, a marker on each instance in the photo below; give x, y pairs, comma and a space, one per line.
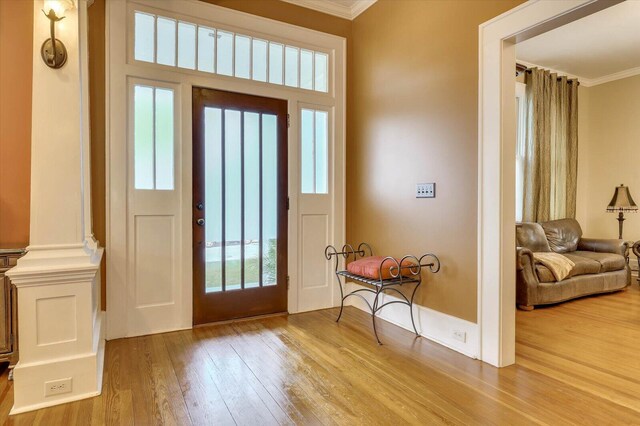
520, 147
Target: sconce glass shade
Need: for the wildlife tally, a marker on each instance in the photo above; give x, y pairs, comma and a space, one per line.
59, 7
622, 201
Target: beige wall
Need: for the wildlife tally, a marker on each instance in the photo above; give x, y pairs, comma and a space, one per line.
413, 117
16, 63
609, 138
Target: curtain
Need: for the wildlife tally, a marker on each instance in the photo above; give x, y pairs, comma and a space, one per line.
551, 147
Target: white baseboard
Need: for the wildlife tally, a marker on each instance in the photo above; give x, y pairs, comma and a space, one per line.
431, 324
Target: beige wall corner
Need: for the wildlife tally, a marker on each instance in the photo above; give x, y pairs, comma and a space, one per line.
609, 131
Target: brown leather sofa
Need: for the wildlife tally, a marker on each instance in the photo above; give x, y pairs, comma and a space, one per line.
600, 265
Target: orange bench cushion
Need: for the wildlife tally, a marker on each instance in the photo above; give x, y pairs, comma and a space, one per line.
369, 267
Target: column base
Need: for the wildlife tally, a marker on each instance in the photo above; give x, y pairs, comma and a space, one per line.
85, 372
61, 335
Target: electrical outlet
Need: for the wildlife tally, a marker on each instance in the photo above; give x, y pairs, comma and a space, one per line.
426, 190
56, 387
460, 335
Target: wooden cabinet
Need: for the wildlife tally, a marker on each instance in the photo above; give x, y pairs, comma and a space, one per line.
8, 308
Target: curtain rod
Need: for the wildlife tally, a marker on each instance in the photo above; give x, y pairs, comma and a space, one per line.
522, 68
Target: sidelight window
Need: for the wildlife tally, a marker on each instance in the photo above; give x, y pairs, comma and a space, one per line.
153, 137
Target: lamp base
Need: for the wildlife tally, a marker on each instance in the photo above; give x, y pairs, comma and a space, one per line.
53, 58
620, 223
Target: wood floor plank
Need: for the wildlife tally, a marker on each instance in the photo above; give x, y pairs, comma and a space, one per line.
243, 401
195, 371
577, 363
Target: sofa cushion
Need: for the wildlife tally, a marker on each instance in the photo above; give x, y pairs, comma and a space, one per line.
583, 266
608, 261
531, 235
544, 274
563, 234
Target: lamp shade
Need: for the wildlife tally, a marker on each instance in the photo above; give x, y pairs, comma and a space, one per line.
622, 201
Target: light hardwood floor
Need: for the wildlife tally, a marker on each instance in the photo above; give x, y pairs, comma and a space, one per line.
577, 363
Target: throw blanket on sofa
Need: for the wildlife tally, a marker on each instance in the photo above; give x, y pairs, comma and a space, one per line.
559, 265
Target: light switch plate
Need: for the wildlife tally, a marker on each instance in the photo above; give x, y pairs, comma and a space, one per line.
426, 190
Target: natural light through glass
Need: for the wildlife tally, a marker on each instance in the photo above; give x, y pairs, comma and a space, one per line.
314, 141
186, 45
243, 57
161, 40
225, 53
153, 138
269, 199
166, 41
144, 37
213, 198
206, 49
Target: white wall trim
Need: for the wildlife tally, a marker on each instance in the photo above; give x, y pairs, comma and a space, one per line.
496, 168
588, 82
335, 9
431, 324
612, 77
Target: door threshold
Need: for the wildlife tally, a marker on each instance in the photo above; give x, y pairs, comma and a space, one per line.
244, 319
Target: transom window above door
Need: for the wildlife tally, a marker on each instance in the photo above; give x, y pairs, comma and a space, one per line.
175, 43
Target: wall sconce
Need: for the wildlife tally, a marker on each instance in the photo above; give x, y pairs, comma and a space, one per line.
53, 51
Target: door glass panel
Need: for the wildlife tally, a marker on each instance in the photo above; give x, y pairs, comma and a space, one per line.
144, 37
213, 198
307, 169
269, 199
143, 137
166, 41
251, 199
275, 63
225, 53
259, 63
291, 66
322, 128
164, 139
243, 56
306, 69
206, 49
232, 199
186, 45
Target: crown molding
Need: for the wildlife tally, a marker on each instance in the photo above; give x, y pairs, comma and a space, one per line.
615, 76
588, 82
335, 9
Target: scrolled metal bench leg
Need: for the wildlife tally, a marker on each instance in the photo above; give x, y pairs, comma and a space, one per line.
411, 309
341, 298
373, 315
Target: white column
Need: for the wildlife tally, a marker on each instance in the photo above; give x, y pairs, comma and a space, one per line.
60, 333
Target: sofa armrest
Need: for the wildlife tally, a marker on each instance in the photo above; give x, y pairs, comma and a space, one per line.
620, 247
524, 258
526, 278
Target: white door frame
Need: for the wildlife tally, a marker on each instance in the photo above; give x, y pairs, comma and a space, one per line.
496, 163
120, 67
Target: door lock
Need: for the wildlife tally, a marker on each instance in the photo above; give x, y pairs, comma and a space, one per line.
200, 222
199, 206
